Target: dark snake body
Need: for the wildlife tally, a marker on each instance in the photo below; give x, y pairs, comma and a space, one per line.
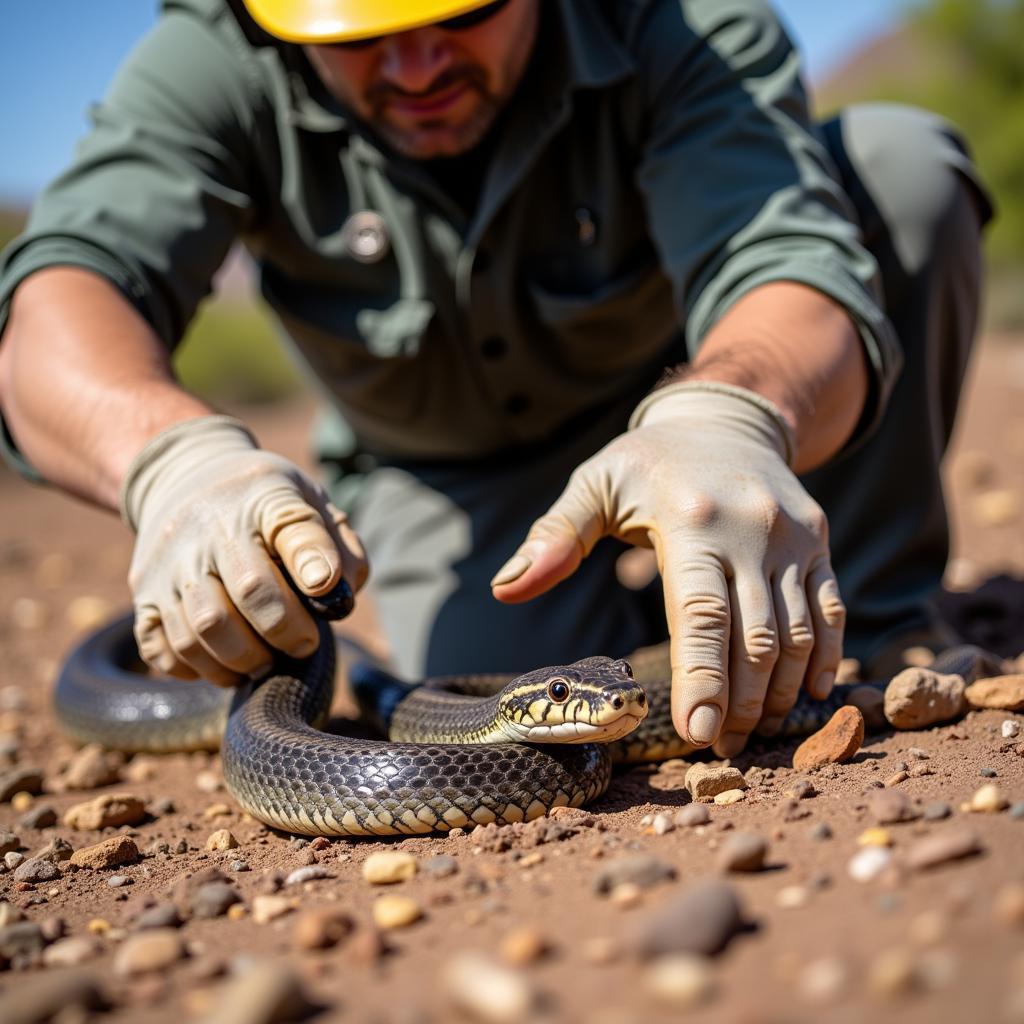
283, 770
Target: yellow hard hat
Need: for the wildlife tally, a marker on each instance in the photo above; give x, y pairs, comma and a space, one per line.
337, 21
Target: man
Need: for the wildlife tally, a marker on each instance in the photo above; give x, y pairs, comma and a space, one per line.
489, 228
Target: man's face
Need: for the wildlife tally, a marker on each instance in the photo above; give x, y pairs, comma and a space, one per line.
433, 92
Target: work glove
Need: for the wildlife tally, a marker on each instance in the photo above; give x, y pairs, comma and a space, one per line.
753, 606
217, 521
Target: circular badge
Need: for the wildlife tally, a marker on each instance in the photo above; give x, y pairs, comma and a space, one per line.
366, 236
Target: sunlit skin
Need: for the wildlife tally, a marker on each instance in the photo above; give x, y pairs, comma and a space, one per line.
430, 92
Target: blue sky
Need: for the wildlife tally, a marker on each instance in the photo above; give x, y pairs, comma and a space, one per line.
57, 57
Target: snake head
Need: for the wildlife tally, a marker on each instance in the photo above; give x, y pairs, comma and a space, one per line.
591, 701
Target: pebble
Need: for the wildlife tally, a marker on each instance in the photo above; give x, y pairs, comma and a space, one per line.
366, 947
91, 768
265, 992
87, 612
21, 801
919, 697
988, 799
208, 782
701, 918
72, 951
626, 896
704, 782
441, 866
743, 851
68, 995
217, 811
238, 866
321, 928
838, 741
800, 789
896, 778
730, 796
937, 810
267, 908
9, 914
523, 946
821, 831
919, 771
57, 850
868, 863
875, 837
893, 973
642, 870
486, 991
118, 881
889, 806
9, 842
148, 951
663, 823
107, 854
393, 911
221, 840
20, 780
37, 870
389, 867
792, 897
140, 769
942, 848
43, 816
823, 981
110, 809
1017, 811
1008, 908
163, 915
680, 980
213, 899
1004, 693
691, 815
21, 940
929, 928
13, 858
987, 773
310, 873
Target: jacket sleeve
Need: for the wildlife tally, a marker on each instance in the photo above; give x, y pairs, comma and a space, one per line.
739, 188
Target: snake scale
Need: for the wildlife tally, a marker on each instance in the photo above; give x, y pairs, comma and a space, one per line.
450, 760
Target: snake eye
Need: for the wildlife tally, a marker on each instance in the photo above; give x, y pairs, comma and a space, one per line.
558, 691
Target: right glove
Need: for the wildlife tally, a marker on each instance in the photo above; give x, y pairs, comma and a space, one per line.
216, 518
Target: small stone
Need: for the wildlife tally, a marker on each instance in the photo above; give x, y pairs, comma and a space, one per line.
987, 773
9, 914
823, 981
98, 926
57, 849
209, 782
321, 928
936, 810
1004, 693
875, 837
641, 870
743, 851
919, 771
889, 806
1009, 729
1008, 908
20, 780
37, 870
107, 854
729, 796
221, 840
704, 782
43, 816
87, 612
217, 811
265, 992
393, 911
691, 815
662, 824
13, 858
942, 848
837, 742
310, 873
213, 899
91, 768
238, 866
929, 928
792, 897
110, 809
919, 697
988, 799
868, 863
680, 980
366, 947
626, 895
118, 881
68, 995
163, 915
22, 940
442, 866
800, 789
702, 918
140, 769
268, 908
523, 946
821, 831
600, 950
895, 779
9, 842
486, 991
893, 973
21, 801
72, 951
389, 867
1017, 811
148, 951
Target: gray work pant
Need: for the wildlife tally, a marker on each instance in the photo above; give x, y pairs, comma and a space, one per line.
437, 533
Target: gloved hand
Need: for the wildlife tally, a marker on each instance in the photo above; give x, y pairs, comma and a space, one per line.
752, 602
215, 518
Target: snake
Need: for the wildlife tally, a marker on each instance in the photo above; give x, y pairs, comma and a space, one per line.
460, 751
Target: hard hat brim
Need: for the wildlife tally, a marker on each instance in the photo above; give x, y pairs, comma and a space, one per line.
338, 21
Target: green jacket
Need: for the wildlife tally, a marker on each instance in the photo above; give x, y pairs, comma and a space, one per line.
657, 163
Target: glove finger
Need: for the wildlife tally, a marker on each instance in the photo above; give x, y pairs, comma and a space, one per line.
354, 565
153, 646
220, 629
699, 619
796, 641
829, 617
753, 652
187, 648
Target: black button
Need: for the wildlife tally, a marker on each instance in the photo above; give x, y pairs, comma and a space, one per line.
493, 347
516, 405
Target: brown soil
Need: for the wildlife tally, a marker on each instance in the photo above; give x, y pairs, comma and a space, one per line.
62, 567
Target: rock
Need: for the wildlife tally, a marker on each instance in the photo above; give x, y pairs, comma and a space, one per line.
692, 814
821, 831
792, 897
893, 973
704, 782
523, 946
729, 796
91, 768
238, 866
366, 947
662, 823
21, 801
1009, 729
875, 837
1008, 908
140, 769
9, 914
1004, 693
148, 951
20, 780
310, 873
800, 789
936, 810
21, 940
213, 899
321, 928
988, 799
987, 773
220, 840
163, 915
700, 919
680, 980
217, 811
743, 851
896, 778
823, 981
268, 908
9, 842
929, 928
119, 881
868, 863
394, 911
87, 611
440, 866
37, 870
113, 851
268, 992
889, 806
56, 995
209, 782
1017, 811
72, 951
487, 992
641, 870
942, 848
56, 850
919, 697
43, 816
389, 867
837, 742
870, 702
13, 858
110, 809
626, 895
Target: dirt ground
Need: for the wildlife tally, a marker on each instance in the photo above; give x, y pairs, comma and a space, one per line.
939, 945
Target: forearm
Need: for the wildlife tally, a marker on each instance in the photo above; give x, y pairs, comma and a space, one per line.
801, 350
85, 382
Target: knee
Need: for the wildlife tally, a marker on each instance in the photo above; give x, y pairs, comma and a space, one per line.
916, 167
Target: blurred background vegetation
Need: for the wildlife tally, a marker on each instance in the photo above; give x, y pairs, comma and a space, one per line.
961, 58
